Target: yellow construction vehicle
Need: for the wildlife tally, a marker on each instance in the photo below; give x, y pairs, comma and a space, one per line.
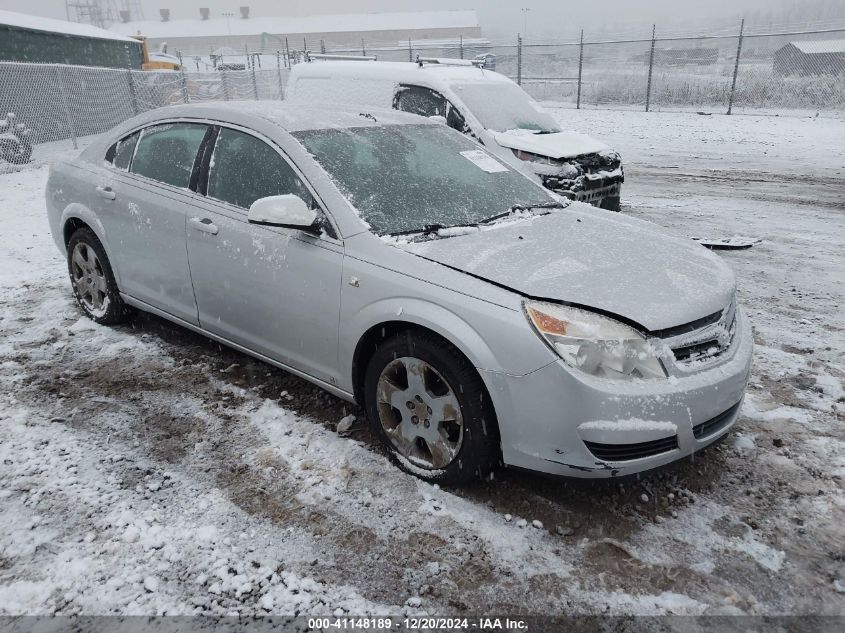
160, 60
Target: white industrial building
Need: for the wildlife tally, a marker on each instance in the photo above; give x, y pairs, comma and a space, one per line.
241, 31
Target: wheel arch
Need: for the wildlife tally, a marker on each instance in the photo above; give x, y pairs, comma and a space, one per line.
77, 216
468, 343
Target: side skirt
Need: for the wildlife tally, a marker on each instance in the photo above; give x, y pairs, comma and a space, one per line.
145, 307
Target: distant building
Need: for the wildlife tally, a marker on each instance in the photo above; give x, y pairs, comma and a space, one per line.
813, 57
204, 34
28, 38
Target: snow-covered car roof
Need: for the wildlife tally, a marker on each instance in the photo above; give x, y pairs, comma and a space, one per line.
401, 72
290, 117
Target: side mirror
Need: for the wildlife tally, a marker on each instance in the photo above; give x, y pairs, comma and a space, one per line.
438, 118
288, 211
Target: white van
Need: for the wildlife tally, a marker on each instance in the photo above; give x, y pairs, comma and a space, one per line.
478, 102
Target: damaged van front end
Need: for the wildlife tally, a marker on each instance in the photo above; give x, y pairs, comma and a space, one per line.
569, 163
592, 178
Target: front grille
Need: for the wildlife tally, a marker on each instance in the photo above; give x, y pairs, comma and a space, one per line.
706, 340
627, 452
697, 351
714, 425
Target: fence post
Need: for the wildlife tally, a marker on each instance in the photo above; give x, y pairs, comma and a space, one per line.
287, 52
736, 66
462, 45
650, 68
185, 96
363, 48
224, 82
519, 59
410, 51
66, 106
323, 46
254, 82
132, 96
279, 70
580, 68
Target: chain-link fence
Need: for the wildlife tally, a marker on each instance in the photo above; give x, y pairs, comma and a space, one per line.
785, 73
57, 101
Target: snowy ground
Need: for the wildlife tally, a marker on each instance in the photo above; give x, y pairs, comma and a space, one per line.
146, 470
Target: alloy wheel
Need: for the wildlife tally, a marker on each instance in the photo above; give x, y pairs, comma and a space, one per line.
420, 413
89, 279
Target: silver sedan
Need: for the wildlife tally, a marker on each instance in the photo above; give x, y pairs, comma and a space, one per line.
478, 319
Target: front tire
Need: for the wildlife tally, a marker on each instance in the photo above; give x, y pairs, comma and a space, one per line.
429, 407
92, 279
612, 204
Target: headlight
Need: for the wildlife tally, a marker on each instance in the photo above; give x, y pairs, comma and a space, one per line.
595, 344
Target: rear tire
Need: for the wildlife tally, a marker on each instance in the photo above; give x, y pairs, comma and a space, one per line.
429, 407
93, 281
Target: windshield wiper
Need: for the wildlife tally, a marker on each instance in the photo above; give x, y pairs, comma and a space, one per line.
522, 207
427, 228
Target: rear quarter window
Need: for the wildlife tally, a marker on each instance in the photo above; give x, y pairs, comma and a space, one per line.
120, 154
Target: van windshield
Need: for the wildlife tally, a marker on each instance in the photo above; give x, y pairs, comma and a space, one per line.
504, 106
405, 178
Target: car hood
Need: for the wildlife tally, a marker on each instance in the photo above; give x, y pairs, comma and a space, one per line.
593, 258
557, 145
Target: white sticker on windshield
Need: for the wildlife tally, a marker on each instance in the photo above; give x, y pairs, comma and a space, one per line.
484, 161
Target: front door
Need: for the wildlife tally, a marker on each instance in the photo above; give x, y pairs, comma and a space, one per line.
275, 291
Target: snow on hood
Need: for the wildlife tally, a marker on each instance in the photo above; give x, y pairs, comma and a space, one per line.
597, 259
555, 145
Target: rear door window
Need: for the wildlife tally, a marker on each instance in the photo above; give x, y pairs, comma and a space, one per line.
120, 154
167, 152
244, 168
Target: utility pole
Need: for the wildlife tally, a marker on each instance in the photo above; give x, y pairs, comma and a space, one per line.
525, 11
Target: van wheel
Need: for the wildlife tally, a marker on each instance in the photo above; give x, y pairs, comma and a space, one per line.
428, 405
92, 279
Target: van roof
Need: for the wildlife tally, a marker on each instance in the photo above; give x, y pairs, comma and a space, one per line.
442, 74
282, 114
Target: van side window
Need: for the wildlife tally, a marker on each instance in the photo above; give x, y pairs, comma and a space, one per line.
244, 168
120, 154
428, 102
419, 100
456, 121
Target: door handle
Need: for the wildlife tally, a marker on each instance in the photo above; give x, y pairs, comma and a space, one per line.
106, 192
204, 225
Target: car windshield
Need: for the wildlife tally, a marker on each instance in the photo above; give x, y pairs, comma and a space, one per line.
403, 178
504, 106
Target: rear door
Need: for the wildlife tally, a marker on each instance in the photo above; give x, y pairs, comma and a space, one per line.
275, 291
145, 202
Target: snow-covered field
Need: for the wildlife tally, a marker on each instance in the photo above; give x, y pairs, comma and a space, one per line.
146, 470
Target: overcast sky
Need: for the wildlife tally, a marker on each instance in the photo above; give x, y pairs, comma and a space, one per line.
545, 19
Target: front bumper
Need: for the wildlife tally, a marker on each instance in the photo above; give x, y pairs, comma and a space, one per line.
560, 421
